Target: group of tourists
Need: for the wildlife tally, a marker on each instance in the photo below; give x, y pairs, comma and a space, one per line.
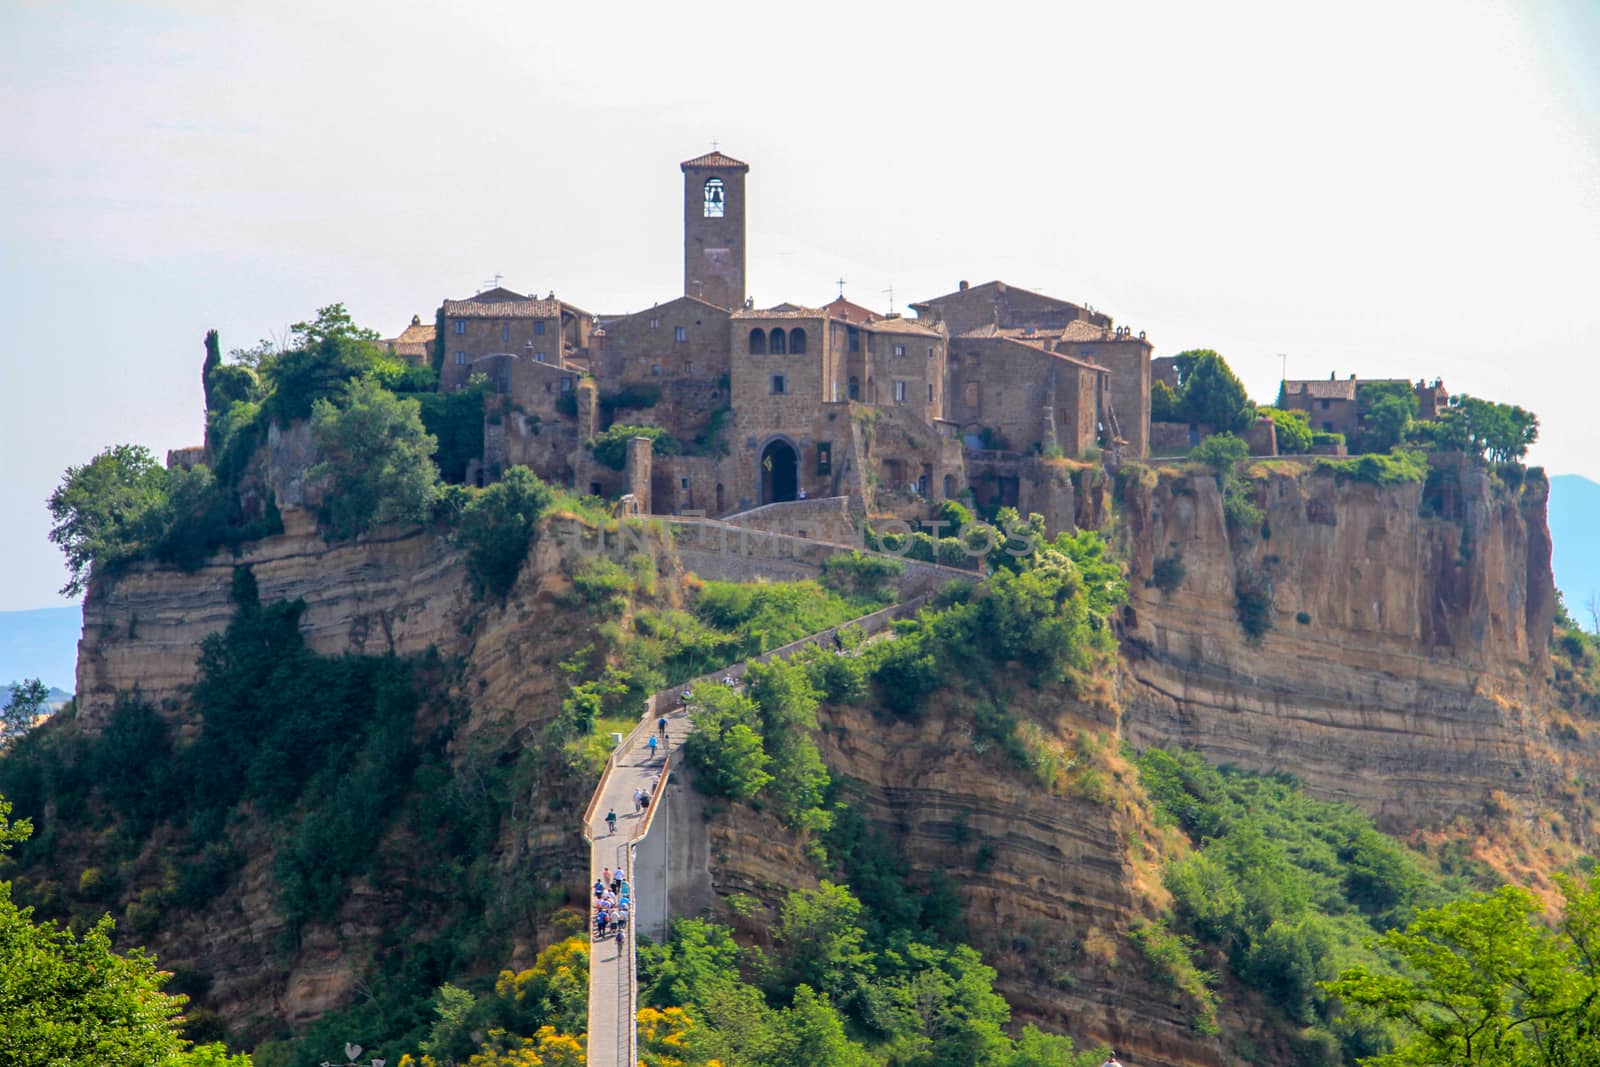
612, 905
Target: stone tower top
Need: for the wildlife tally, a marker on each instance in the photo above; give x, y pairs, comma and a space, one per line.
713, 229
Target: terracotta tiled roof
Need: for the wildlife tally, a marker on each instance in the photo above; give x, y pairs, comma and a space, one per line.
840, 308
417, 332
994, 333
714, 159
1078, 330
1320, 389
525, 308
898, 325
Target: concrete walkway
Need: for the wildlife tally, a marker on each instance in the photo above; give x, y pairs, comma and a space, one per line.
613, 996
613, 990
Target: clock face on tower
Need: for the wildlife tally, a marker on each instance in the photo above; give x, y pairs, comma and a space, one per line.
714, 198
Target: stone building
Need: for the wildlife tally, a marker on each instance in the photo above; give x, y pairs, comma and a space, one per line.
411, 344
981, 393
1333, 406
1065, 328
500, 322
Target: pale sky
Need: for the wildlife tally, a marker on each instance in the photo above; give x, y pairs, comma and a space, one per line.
1401, 189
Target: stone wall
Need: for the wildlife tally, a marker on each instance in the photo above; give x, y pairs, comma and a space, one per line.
827, 519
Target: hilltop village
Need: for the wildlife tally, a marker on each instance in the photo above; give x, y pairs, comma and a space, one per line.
976, 397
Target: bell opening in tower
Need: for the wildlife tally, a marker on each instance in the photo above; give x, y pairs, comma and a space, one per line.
714, 201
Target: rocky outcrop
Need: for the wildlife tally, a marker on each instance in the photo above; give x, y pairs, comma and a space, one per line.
1406, 652
391, 591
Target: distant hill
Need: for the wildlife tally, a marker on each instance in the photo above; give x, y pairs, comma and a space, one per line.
41, 644
1575, 528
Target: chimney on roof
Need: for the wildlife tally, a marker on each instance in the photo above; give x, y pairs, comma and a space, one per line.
416, 320
1352, 377
961, 286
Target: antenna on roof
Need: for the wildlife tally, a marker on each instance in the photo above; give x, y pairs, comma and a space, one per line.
1284, 375
890, 291
494, 284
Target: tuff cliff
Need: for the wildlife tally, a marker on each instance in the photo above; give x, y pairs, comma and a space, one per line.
1404, 671
1405, 664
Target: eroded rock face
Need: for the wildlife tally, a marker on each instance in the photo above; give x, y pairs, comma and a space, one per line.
1407, 648
1412, 691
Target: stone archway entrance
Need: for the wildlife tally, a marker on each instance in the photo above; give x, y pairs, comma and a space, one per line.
780, 472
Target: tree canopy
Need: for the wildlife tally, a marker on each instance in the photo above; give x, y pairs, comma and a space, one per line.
1208, 392
70, 1001
1485, 982
376, 459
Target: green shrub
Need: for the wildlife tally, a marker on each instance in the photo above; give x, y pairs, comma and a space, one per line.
1397, 468
856, 574
1167, 574
498, 526
455, 420
1253, 603
1293, 429
1221, 452
376, 460
611, 447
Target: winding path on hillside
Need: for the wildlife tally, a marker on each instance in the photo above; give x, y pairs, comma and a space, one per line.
613, 984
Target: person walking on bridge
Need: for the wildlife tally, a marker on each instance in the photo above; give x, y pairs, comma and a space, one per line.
611, 820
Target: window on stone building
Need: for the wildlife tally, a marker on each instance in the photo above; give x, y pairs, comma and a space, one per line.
714, 200
538, 357
797, 342
899, 350
855, 388
566, 385
777, 384
824, 457
899, 392
1324, 405
758, 342
655, 369
972, 394
930, 392
461, 327
538, 329
461, 359
930, 351
680, 333
778, 343
1327, 427
655, 324
855, 339
683, 483
505, 332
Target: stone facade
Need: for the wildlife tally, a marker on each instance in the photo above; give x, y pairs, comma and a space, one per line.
792, 402
713, 229
500, 322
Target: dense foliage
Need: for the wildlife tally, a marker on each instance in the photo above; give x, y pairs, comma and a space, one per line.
1488, 981
1208, 393
1284, 890
611, 445
1385, 411
838, 989
68, 1000
499, 525
376, 459
1293, 429
1493, 432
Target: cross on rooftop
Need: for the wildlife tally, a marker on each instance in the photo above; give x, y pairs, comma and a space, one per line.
840, 283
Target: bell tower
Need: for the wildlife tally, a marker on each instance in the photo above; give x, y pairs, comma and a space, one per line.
713, 229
